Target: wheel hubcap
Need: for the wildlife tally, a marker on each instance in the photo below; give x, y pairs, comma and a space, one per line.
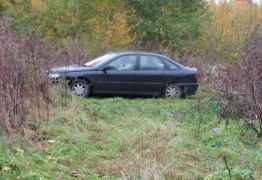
80, 89
173, 91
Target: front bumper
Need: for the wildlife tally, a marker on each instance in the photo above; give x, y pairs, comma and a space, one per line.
53, 78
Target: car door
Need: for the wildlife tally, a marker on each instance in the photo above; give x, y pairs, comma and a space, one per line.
150, 76
119, 78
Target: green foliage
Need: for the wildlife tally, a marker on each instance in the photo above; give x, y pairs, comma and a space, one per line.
172, 23
64, 19
22, 19
96, 25
1, 7
108, 24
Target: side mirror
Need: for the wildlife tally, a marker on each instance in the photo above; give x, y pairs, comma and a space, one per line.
107, 68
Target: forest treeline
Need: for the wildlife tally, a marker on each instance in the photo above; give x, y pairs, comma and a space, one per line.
176, 27
111, 24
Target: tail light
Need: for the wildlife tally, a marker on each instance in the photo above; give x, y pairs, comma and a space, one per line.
196, 77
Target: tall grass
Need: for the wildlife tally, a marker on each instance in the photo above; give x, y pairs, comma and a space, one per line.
24, 91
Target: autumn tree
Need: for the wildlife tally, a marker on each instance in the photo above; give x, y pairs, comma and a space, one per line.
172, 23
109, 24
230, 27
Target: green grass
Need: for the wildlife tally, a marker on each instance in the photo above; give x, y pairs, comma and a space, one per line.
117, 138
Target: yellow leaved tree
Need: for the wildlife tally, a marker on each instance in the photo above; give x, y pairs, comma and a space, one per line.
110, 27
231, 25
118, 33
38, 5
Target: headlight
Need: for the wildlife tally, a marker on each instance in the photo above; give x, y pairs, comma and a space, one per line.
53, 76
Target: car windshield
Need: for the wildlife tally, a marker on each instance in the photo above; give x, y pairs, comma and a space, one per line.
100, 60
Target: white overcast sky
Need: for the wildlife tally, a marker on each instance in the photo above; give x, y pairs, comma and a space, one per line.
255, 1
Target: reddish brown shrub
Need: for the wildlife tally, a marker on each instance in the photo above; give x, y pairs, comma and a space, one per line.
241, 84
24, 60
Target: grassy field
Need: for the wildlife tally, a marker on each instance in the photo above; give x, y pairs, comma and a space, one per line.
144, 138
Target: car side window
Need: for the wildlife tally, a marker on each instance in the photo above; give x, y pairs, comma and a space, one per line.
151, 63
124, 63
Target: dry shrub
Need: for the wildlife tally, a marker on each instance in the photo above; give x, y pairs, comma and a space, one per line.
24, 90
240, 84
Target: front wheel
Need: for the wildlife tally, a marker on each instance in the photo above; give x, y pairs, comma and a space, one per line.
173, 91
80, 88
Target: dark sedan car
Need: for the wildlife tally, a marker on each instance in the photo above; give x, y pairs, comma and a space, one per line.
129, 73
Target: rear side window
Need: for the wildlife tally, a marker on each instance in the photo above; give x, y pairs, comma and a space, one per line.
151, 63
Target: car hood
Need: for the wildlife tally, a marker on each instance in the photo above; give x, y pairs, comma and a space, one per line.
72, 68
192, 69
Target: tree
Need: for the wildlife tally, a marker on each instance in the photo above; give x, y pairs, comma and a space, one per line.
1, 7
172, 23
107, 24
95, 24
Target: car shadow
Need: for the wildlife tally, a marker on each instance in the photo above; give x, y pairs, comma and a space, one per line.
125, 96
139, 97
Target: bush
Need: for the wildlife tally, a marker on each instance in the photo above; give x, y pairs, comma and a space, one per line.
240, 84
24, 92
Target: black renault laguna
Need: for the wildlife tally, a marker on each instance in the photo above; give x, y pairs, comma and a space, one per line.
129, 73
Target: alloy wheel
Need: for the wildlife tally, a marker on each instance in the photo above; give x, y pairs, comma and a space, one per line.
173, 91
80, 88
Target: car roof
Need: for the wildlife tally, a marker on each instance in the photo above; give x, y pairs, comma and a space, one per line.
137, 52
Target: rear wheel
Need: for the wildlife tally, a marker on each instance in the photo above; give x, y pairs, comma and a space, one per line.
80, 88
173, 91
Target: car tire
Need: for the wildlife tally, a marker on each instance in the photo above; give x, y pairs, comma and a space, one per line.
173, 91
80, 88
